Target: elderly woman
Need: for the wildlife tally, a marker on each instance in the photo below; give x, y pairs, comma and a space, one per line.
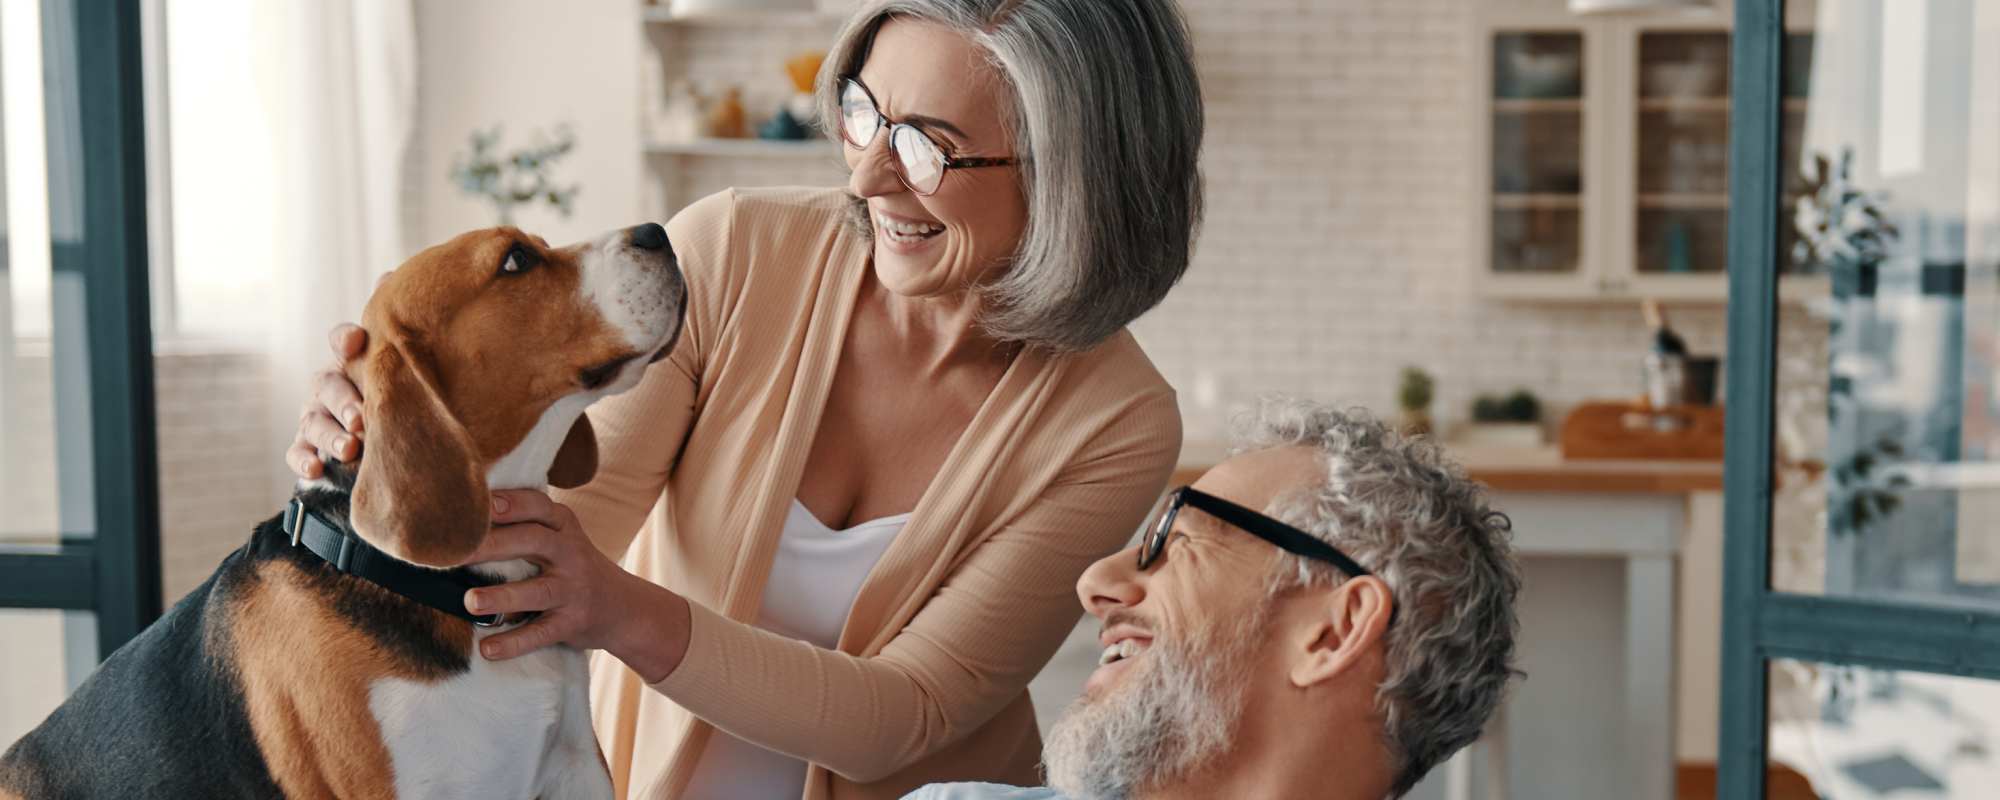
902, 419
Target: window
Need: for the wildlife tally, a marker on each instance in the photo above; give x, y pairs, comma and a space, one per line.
1862, 617
78, 531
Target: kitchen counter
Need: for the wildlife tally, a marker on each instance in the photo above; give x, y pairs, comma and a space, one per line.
1539, 469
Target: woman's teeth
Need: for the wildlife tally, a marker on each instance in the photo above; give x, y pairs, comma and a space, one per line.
910, 232
1120, 651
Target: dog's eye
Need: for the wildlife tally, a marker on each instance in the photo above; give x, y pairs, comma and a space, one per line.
519, 260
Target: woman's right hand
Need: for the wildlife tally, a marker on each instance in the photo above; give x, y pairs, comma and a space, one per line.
332, 411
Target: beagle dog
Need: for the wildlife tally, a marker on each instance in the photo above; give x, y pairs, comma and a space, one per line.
332, 656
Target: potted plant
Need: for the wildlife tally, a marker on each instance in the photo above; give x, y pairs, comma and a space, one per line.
1511, 421
1415, 400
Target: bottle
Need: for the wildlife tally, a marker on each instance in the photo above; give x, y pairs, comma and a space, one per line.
1663, 372
726, 119
1665, 341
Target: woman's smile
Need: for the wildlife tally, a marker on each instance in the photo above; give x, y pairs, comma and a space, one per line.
905, 235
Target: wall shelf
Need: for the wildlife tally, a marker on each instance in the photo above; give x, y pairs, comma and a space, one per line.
746, 147
1538, 105
1716, 201
1515, 200
664, 15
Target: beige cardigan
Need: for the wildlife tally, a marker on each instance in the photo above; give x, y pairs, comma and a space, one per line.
702, 461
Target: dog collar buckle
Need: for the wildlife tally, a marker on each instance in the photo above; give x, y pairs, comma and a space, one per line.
295, 520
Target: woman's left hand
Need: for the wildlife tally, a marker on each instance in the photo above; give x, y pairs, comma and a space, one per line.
586, 601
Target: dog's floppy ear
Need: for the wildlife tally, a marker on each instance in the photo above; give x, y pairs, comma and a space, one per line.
420, 493
576, 460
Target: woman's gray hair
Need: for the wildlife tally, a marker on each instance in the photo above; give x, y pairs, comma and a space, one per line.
1404, 510
1108, 127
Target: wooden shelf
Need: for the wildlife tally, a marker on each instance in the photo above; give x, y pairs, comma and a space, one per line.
746, 148
1513, 201
1538, 105
1717, 201
1708, 105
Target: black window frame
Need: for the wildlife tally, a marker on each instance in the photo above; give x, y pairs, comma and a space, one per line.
1759, 624
92, 59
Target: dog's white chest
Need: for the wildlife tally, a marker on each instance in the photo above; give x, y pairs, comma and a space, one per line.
505, 730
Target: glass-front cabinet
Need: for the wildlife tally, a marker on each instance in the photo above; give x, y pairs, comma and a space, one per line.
1604, 155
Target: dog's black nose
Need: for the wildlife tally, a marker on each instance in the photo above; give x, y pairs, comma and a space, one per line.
649, 236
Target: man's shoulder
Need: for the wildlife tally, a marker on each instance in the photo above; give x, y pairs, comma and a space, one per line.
984, 791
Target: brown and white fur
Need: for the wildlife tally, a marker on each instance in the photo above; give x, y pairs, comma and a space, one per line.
282, 676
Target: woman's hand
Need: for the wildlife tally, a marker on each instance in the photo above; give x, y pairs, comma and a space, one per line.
332, 411
586, 600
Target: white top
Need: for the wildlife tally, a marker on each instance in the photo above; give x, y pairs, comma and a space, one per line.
817, 573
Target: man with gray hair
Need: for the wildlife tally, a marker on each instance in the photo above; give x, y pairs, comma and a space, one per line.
1373, 641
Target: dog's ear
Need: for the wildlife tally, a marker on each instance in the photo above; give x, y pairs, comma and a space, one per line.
576, 460
420, 493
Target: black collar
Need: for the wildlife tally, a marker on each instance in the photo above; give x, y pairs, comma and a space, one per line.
443, 590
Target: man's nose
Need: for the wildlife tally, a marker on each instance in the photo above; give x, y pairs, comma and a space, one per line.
1113, 582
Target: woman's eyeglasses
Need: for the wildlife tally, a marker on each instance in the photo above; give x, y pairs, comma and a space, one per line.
920, 163
1286, 537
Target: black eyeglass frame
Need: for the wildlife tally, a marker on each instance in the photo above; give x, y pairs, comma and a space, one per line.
945, 163
1285, 537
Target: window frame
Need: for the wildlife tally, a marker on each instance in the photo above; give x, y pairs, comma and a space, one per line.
113, 570
1759, 624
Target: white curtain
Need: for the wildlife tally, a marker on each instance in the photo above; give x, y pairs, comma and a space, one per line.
340, 86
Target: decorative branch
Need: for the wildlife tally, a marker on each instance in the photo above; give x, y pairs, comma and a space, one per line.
522, 178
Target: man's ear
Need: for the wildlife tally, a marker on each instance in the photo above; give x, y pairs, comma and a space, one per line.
1344, 626
576, 460
420, 492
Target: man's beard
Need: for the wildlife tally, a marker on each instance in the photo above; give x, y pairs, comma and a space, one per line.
1171, 719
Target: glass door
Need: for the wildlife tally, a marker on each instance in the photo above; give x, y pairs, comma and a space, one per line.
79, 563
1862, 619
1537, 152
1681, 219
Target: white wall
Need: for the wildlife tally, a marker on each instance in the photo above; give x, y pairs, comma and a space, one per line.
529, 65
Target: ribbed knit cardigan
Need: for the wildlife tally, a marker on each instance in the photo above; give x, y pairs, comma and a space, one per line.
700, 463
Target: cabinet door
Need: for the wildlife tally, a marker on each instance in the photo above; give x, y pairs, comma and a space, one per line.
1532, 208
1674, 96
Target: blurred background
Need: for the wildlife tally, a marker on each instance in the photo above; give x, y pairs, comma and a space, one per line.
1501, 222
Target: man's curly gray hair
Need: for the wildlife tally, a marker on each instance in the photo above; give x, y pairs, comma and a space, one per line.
1403, 509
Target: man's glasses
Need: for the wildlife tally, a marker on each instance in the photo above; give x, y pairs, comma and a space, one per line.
1286, 537
920, 163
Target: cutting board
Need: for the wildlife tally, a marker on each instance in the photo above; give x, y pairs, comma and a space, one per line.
1631, 429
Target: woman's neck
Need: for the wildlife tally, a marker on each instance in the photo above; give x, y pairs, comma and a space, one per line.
941, 332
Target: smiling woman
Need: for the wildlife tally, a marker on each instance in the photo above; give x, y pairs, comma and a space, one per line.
853, 502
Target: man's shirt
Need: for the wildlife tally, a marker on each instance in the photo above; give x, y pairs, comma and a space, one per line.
984, 791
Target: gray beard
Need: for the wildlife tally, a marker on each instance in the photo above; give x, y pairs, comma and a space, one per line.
1170, 720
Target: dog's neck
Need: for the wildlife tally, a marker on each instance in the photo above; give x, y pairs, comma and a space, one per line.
330, 494
527, 467
329, 497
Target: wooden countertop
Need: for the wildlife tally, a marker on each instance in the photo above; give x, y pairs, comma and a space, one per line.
1540, 469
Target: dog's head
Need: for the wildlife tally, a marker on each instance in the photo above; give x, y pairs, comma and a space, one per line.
482, 354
